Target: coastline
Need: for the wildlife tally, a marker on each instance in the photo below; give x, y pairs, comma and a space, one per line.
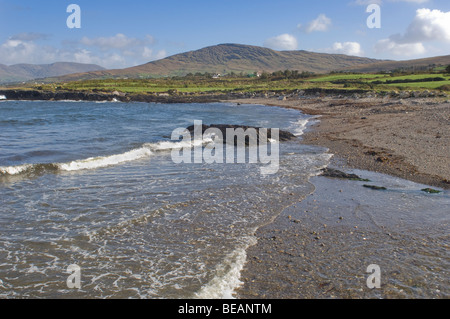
336, 220
319, 248
407, 138
404, 137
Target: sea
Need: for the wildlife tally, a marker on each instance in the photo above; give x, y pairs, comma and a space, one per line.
92, 204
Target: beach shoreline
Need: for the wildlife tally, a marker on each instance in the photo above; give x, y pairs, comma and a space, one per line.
407, 138
321, 246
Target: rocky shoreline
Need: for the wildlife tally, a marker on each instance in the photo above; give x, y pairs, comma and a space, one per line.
407, 138
405, 134
209, 97
39, 95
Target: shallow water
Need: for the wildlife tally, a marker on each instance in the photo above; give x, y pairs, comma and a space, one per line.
322, 247
93, 184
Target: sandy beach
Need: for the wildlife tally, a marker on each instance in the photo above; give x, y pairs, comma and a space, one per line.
320, 247
408, 138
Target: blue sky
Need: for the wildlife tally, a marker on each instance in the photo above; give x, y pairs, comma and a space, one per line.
117, 34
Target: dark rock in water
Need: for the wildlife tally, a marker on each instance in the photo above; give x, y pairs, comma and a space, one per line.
430, 191
283, 135
334, 173
375, 187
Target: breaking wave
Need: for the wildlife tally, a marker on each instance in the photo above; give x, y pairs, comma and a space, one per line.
146, 150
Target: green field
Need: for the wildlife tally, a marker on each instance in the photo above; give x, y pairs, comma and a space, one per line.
337, 77
275, 82
182, 85
421, 85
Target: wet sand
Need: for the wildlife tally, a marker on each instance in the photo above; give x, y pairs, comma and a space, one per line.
321, 247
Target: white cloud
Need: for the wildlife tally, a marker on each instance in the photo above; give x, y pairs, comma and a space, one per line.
427, 26
348, 48
282, 42
118, 51
14, 51
321, 23
400, 49
161, 54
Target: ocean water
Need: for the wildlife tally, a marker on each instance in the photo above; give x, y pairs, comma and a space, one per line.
94, 185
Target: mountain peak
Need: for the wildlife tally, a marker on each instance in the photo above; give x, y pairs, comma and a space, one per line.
232, 57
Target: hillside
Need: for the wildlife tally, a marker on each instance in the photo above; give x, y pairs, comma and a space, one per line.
225, 58
409, 65
26, 72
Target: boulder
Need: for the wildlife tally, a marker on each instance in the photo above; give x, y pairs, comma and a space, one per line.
283, 135
404, 95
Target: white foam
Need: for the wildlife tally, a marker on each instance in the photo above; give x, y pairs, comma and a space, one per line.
168, 145
300, 127
2, 97
104, 161
228, 273
98, 162
14, 170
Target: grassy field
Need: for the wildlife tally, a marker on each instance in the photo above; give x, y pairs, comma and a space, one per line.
183, 85
337, 77
423, 85
415, 81
196, 84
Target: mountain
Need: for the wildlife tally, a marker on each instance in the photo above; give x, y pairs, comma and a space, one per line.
26, 72
225, 58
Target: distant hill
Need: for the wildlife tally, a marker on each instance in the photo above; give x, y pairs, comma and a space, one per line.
26, 72
409, 65
226, 58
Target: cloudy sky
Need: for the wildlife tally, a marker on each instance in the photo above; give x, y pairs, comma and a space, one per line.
117, 34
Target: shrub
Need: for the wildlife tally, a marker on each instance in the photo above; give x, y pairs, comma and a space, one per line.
445, 87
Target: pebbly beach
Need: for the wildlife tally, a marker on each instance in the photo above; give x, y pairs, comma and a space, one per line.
372, 209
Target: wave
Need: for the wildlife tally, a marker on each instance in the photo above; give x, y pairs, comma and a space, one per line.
145, 150
28, 169
227, 275
99, 162
300, 126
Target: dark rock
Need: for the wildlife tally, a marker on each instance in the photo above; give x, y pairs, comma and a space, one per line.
375, 187
334, 173
430, 191
283, 135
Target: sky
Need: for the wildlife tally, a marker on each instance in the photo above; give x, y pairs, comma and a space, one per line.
119, 34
